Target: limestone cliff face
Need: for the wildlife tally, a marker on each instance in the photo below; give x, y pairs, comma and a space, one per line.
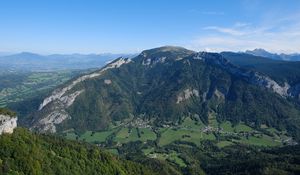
252, 77
7, 124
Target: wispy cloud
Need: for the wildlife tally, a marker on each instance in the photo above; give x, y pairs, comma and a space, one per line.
225, 30
282, 35
240, 29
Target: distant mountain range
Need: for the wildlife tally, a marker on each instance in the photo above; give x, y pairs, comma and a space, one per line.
36, 62
282, 56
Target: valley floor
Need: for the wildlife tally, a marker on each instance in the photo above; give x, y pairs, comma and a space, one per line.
188, 133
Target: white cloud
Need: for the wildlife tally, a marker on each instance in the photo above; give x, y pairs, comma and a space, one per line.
230, 31
241, 24
282, 35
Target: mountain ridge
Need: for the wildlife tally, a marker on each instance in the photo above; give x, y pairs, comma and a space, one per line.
281, 56
164, 89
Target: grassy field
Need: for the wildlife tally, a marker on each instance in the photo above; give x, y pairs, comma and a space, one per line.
243, 128
126, 135
222, 144
188, 131
146, 134
260, 141
171, 135
171, 156
227, 126
191, 124
148, 151
90, 136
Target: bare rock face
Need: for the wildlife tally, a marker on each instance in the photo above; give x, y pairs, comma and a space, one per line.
186, 94
59, 93
153, 61
7, 124
107, 81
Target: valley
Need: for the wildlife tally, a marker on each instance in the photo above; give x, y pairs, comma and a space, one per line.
189, 132
16, 86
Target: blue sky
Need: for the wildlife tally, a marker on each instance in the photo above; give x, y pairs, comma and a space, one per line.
129, 26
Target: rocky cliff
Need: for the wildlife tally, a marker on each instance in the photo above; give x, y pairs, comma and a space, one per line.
252, 77
7, 124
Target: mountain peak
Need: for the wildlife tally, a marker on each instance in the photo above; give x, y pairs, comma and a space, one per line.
257, 51
28, 54
263, 53
162, 54
168, 49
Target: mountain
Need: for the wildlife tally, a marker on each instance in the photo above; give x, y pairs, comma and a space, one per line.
178, 112
35, 62
278, 70
263, 53
282, 56
163, 86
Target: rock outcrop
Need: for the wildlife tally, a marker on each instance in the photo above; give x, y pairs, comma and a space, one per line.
7, 124
186, 94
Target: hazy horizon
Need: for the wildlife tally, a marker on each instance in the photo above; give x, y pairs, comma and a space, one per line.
3, 53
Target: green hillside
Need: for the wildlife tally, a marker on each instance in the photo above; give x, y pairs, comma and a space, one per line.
27, 153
